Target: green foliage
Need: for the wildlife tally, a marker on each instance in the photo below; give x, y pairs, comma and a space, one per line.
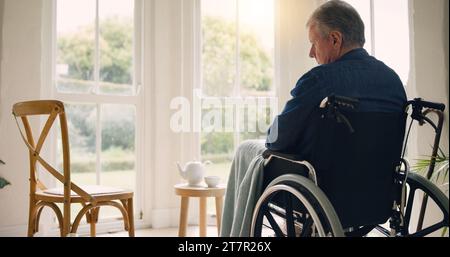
116, 51
118, 133
3, 182
77, 50
115, 132
253, 124
81, 123
113, 159
116, 57
441, 167
256, 68
219, 59
217, 143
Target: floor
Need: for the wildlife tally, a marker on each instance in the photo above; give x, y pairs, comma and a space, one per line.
192, 231
163, 232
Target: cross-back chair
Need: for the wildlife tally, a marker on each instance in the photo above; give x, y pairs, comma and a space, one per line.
90, 197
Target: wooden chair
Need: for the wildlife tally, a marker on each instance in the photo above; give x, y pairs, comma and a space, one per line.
91, 197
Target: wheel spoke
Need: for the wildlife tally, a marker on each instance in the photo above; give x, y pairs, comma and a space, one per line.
297, 207
289, 215
382, 230
429, 229
407, 217
274, 224
306, 228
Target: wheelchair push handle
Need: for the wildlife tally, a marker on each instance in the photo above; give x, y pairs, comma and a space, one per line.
420, 115
419, 103
334, 104
342, 102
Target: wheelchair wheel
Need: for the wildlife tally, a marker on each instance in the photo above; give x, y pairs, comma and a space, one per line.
294, 206
417, 187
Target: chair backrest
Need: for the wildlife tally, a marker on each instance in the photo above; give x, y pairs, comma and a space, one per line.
52, 109
356, 169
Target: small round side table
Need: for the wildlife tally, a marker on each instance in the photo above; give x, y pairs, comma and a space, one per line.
203, 192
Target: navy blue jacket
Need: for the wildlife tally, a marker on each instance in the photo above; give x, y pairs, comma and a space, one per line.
357, 75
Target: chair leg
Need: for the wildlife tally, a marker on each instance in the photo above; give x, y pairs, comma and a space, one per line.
93, 221
66, 218
130, 217
125, 206
38, 217
96, 213
31, 218
88, 214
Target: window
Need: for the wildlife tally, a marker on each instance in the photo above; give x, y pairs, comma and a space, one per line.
387, 32
97, 75
237, 77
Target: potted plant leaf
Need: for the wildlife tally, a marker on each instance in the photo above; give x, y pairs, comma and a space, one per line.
440, 173
3, 182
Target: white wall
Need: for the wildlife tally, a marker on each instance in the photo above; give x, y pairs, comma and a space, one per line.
429, 78
172, 77
20, 80
429, 74
2, 4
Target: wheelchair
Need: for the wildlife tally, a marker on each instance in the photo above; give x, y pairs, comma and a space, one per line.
356, 181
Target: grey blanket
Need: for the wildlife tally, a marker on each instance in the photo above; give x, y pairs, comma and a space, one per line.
243, 189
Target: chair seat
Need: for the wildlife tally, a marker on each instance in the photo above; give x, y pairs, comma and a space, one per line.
100, 193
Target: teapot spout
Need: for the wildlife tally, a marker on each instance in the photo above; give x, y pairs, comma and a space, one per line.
181, 171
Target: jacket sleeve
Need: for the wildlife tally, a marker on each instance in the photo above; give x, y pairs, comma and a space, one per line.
287, 127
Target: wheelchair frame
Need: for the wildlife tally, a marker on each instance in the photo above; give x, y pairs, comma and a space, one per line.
320, 211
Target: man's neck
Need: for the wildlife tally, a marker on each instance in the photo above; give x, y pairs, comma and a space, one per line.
346, 50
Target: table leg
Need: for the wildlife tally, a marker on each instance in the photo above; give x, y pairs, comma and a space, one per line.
183, 216
203, 216
219, 205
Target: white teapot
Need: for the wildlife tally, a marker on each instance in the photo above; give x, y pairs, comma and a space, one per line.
193, 172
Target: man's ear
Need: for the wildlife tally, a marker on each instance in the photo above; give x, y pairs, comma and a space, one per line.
336, 38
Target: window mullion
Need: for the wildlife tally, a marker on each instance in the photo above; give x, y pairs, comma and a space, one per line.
97, 50
98, 144
137, 47
372, 26
98, 132
237, 84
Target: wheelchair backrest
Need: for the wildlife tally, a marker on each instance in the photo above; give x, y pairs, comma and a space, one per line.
355, 164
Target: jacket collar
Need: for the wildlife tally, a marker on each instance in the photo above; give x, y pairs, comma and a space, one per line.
355, 54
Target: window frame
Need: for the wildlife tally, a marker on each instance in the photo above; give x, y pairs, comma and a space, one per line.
373, 43
236, 97
49, 90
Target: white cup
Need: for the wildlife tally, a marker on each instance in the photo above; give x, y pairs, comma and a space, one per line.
212, 181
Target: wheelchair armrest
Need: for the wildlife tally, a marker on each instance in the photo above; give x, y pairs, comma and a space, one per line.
267, 154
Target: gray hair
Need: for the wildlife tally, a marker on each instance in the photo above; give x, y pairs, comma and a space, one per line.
340, 16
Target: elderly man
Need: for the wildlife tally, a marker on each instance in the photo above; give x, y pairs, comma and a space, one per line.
336, 33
